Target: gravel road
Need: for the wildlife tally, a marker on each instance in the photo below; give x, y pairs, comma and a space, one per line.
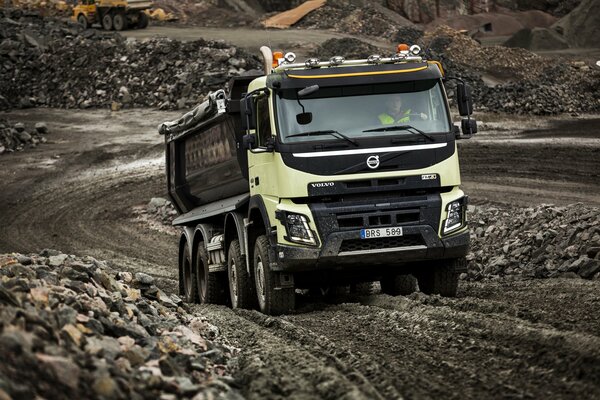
509, 339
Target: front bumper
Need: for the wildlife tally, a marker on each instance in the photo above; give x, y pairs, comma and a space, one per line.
347, 250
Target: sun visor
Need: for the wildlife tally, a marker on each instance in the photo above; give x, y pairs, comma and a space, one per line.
364, 74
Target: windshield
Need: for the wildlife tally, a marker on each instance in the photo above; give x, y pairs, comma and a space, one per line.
363, 111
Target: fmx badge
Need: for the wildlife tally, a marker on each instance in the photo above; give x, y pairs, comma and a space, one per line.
427, 177
373, 162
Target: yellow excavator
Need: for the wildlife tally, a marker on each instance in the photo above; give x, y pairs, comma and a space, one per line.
112, 14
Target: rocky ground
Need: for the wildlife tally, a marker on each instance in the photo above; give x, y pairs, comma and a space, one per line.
87, 191
72, 327
524, 324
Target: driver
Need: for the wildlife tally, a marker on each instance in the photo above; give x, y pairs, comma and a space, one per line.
395, 113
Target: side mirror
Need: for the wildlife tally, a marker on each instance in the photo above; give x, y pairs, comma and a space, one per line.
304, 118
468, 127
249, 141
248, 111
464, 99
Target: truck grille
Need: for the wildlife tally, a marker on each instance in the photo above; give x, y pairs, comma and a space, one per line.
378, 219
381, 243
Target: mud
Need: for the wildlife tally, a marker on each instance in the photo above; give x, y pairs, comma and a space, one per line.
506, 339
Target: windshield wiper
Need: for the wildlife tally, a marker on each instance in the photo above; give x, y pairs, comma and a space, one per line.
400, 128
326, 132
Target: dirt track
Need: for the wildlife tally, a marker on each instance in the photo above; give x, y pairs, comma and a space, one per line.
507, 339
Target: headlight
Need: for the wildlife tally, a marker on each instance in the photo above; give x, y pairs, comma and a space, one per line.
456, 219
296, 226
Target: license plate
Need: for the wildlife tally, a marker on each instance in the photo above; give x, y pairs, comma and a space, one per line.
380, 232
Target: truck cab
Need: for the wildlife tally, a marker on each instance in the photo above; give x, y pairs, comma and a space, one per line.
352, 175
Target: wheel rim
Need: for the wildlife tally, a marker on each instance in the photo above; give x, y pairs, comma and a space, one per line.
233, 281
260, 281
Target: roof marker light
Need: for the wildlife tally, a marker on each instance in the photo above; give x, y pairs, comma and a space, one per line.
337, 60
374, 59
402, 48
277, 55
312, 62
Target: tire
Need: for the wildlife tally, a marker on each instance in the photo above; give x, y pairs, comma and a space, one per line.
83, 21
142, 21
441, 279
271, 301
396, 285
211, 286
119, 21
188, 274
241, 285
107, 22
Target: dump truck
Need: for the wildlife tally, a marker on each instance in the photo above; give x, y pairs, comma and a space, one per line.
291, 179
112, 14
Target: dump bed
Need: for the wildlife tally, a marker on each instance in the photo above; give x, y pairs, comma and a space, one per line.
203, 160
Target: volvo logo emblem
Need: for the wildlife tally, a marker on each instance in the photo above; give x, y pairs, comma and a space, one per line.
373, 162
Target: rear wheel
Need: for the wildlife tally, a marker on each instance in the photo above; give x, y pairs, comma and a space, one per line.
142, 21
442, 279
120, 21
190, 292
107, 22
395, 285
272, 298
211, 286
83, 21
241, 286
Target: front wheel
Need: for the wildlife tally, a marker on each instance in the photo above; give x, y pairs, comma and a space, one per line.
211, 286
273, 299
396, 285
241, 286
442, 279
83, 21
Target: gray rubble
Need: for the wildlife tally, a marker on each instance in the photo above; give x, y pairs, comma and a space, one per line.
18, 136
46, 62
72, 327
539, 242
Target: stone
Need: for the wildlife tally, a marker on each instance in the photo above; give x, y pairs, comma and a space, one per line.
64, 370
57, 260
41, 128
144, 279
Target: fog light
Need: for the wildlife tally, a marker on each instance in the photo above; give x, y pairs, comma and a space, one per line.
298, 230
456, 215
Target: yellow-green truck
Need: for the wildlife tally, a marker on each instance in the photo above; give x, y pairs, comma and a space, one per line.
319, 174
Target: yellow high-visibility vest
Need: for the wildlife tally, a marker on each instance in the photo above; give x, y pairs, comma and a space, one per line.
387, 119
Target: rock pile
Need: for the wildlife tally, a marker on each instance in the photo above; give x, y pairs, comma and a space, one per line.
46, 62
545, 241
346, 47
74, 328
524, 82
359, 19
17, 137
162, 210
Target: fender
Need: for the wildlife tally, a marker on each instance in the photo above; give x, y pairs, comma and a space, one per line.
234, 218
256, 203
